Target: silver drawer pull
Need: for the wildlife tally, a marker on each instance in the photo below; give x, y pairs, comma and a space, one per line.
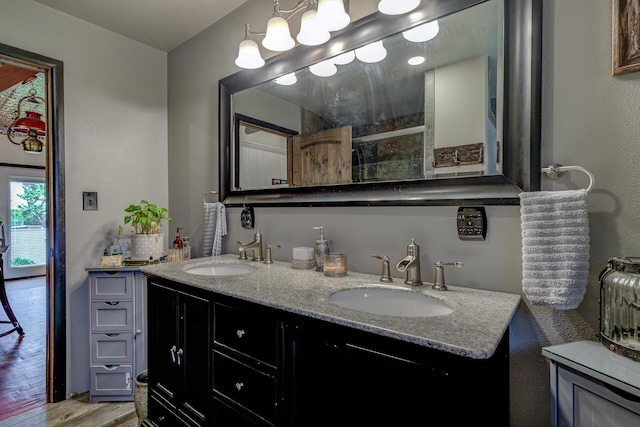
173, 354
239, 386
179, 353
240, 333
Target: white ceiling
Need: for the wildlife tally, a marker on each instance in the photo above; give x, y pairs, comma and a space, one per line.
163, 24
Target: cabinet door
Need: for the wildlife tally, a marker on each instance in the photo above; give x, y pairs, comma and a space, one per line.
583, 401
367, 379
195, 354
163, 341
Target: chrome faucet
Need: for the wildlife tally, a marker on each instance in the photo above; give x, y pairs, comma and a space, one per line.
256, 246
438, 282
267, 257
243, 254
411, 265
386, 273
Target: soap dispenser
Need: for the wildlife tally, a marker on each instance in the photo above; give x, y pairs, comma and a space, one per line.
322, 249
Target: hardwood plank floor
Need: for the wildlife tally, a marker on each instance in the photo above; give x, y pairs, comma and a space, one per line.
77, 412
23, 359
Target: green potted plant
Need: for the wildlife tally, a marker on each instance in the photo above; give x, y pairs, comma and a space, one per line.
146, 220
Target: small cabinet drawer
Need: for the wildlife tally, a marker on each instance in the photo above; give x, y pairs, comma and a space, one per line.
239, 330
245, 386
112, 380
111, 286
114, 348
111, 316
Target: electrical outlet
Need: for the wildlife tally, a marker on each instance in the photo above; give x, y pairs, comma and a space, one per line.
472, 223
247, 218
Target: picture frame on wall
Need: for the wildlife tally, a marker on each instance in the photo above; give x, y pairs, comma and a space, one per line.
626, 36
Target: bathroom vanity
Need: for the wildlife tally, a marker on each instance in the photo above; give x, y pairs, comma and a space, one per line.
267, 348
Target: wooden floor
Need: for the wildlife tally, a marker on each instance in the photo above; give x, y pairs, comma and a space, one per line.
77, 412
23, 359
23, 370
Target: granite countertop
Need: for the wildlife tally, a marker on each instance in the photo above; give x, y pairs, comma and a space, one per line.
474, 329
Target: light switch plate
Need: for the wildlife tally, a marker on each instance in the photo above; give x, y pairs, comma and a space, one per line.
472, 223
247, 218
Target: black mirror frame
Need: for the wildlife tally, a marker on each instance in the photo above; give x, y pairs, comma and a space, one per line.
521, 153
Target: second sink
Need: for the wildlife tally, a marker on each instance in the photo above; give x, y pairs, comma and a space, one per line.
390, 302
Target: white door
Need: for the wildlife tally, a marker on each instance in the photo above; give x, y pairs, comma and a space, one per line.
23, 208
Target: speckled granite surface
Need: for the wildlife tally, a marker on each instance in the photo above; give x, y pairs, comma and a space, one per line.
474, 329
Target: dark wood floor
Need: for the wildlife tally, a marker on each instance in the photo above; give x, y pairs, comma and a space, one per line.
23, 359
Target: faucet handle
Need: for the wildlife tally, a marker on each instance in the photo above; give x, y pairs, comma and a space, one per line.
267, 256
243, 254
438, 281
386, 273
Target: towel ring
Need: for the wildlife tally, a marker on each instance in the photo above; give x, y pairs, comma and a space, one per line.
211, 192
554, 171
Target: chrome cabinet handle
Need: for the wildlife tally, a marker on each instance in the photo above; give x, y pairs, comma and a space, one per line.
239, 386
240, 333
179, 353
173, 354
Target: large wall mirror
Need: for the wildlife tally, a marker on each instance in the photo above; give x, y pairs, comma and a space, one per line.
439, 106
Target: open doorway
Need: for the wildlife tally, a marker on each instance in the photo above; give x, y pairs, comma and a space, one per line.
35, 184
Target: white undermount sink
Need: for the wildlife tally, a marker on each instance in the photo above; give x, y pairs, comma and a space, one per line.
221, 269
390, 302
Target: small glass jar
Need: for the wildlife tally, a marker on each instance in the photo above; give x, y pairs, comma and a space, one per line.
335, 264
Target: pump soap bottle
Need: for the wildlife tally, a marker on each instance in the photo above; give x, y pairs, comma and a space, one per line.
322, 249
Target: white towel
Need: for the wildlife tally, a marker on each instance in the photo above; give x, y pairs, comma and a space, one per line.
555, 247
215, 226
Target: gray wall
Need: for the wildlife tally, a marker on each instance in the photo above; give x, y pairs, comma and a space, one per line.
588, 118
115, 136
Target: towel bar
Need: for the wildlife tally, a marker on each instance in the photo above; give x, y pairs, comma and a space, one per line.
554, 171
211, 192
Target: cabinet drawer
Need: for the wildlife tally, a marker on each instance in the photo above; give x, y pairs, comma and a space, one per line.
111, 286
111, 316
243, 331
112, 380
112, 348
251, 389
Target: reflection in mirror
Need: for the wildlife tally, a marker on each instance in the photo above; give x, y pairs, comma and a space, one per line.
261, 160
438, 106
420, 104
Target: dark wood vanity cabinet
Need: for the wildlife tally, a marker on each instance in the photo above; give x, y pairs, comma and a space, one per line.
351, 377
248, 365
179, 348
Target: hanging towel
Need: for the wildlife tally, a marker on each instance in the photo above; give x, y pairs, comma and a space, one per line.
215, 226
555, 247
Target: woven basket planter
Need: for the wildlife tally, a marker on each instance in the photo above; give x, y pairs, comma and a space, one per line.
144, 246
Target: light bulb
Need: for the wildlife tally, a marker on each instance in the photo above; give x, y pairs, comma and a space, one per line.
249, 55
344, 58
371, 53
422, 33
416, 60
287, 79
323, 69
397, 7
312, 33
278, 37
332, 15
